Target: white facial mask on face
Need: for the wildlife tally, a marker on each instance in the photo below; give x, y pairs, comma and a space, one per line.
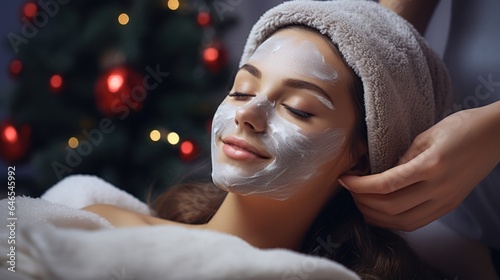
295, 157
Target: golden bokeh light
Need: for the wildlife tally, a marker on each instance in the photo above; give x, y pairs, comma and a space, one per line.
155, 135
173, 138
73, 142
123, 19
173, 4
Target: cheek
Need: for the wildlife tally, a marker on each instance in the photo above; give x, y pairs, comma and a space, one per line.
332, 150
315, 125
330, 171
223, 117
339, 162
325, 147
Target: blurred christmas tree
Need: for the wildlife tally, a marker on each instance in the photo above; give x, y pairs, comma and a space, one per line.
121, 89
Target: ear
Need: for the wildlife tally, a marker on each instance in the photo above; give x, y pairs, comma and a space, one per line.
362, 166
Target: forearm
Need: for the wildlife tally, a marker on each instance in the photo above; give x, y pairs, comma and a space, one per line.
417, 12
492, 116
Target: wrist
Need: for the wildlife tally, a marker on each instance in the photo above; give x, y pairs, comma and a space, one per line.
493, 113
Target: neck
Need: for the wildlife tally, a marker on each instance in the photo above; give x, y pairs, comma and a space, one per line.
267, 223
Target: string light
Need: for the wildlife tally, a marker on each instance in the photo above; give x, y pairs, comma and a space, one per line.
73, 142
187, 148
115, 82
14, 141
10, 134
210, 54
173, 138
123, 19
173, 4
155, 135
56, 82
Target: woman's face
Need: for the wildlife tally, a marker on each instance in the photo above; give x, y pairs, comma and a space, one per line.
287, 120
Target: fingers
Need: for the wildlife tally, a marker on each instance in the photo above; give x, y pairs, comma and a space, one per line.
402, 197
399, 201
410, 220
391, 180
406, 209
411, 207
386, 182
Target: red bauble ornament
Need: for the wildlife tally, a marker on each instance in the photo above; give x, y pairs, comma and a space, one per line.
203, 19
56, 83
215, 57
30, 9
15, 67
119, 90
14, 141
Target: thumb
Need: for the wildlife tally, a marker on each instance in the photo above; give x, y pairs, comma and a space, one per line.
383, 183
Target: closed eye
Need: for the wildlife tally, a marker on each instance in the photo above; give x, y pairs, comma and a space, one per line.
298, 113
240, 96
293, 111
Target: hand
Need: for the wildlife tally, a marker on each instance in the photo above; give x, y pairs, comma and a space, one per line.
438, 171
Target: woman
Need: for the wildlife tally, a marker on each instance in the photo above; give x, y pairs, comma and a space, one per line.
294, 121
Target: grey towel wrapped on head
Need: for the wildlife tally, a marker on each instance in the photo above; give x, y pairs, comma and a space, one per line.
406, 85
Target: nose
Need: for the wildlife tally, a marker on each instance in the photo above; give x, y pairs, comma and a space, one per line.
252, 117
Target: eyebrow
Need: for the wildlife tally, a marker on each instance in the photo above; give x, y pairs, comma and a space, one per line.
293, 83
299, 84
252, 70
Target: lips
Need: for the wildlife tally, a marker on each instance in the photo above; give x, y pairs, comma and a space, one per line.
237, 148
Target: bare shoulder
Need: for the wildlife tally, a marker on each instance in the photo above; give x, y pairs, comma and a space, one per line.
117, 216
120, 217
